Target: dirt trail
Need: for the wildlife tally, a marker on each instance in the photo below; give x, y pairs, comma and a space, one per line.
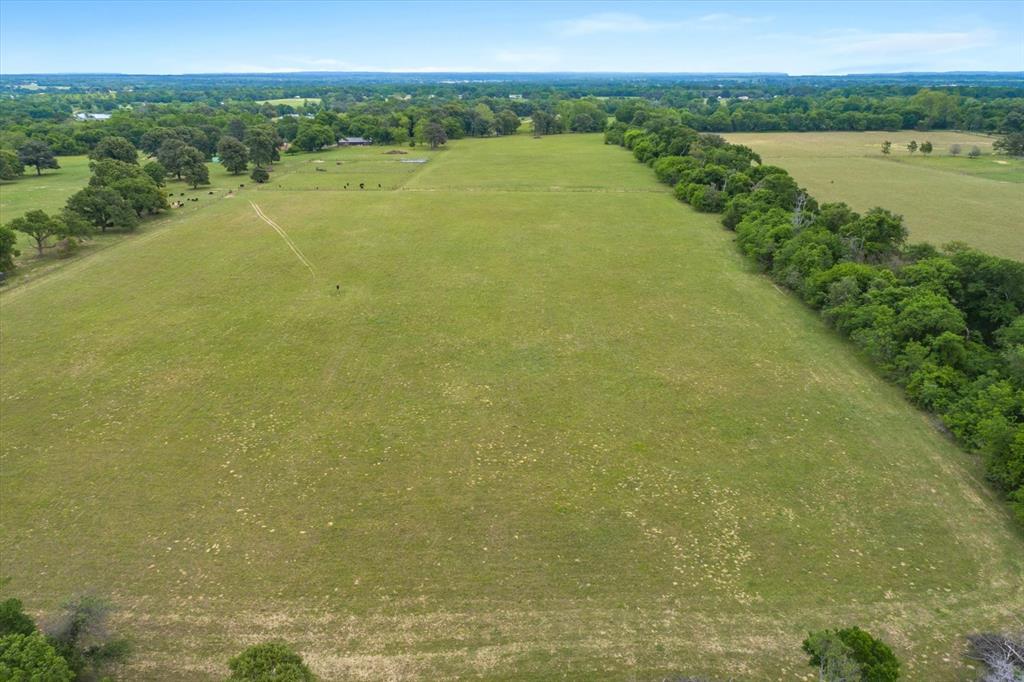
284, 235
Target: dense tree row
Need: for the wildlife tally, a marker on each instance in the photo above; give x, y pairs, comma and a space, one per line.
924, 110
947, 325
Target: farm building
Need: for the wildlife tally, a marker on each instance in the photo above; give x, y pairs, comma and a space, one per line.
354, 141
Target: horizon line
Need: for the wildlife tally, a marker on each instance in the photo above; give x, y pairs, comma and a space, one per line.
433, 72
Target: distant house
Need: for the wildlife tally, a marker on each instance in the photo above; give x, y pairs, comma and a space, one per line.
515, 96
88, 116
353, 142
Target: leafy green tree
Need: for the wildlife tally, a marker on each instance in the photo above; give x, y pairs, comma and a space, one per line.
193, 167
834, 216
974, 153
115, 147
1010, 143
833, 658
545, 123
482, 120
38, 154
14, 620
761, 234
171, 155
234, 155
108, 171
851, 654
103, 207
236, 129
670, 169
912, 147
876, 233
11, 167
8, 248
432, 133
81, 635
926, 313
262, 143
38, 225
886, 147
313, 136
707, 199
30, 658
507, 122
141, 194
269, 662
153, 139
156, 171
259, 175
926, 147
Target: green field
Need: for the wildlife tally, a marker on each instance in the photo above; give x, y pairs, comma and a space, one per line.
290, 101
943, 198
48, 191
550, 425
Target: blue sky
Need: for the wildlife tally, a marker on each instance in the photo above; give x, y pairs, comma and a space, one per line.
793, 37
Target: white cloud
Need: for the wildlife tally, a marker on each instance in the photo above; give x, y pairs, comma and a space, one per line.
612, 22
914, 43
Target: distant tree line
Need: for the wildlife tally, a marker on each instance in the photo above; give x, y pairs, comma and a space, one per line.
925, 109
389, 113
946, 325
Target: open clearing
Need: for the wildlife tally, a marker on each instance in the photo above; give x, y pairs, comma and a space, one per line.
290, 101
48, 191
943, 198
550, 425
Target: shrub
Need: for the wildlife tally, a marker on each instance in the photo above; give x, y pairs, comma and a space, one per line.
851, 653
14, 620
30, 658
269, 662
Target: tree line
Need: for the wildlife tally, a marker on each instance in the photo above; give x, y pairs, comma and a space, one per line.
389, 113
947, 325
925, 109
202, 126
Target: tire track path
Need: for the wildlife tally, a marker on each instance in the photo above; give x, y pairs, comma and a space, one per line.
284, 235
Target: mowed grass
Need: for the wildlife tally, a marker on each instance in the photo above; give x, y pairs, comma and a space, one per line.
375, 167
50, 191
47, 192
943, 198
557, 431
290, 101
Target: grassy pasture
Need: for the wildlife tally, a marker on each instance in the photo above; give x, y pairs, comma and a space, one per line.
48, 191
561, 430
943, 198
296, 102
332, 169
